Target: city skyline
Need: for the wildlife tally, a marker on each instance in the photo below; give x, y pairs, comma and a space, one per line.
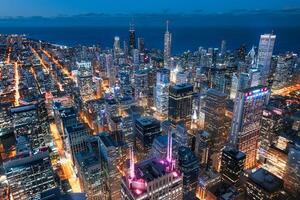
199, 101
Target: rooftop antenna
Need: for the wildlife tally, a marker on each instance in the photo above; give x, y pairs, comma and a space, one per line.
131, 25
131, 167
169, 147
167, 26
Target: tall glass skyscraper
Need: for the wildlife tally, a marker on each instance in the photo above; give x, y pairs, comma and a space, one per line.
167, 47
248, 112
265, 51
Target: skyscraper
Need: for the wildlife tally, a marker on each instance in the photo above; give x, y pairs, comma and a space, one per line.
77, 136
167, 47
32, 121
110, 70
111, 154
248, 112
292, 176
232, 165
223, 47
146, 130
29, 175
161, 92
189, 166
141, 45
141, 86
180, 103
117, 47
265, 51
131, 37
264, 185
85, 80
90, 174
214, 124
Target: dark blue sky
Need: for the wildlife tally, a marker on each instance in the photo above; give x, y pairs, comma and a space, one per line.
74, 7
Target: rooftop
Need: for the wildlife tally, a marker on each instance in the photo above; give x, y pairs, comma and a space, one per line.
266, 180
151, 169
235, 153
147, 121
86, 159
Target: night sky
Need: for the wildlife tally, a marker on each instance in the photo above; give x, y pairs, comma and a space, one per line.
15, 8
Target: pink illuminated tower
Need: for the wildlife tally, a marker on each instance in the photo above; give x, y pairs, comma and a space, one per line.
146, 178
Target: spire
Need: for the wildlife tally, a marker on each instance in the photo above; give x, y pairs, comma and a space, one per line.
131, 169
169, 147
131, 25
167, 26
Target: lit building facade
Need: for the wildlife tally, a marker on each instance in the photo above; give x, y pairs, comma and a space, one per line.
189, 166
76, 138
90, 175
265, 52
111, 155
214, 124
146, 130
131, 37
32, 121
292, 176
248, 112
153, 178
29, 176
263, 185
85, 80
232, 165
167, 47
180, 103
162, 91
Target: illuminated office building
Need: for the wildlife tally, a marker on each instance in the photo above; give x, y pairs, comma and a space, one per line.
136, 58
32, 121
167, 47
207, 179
292, 176
153, 178
202, 147
188, 164
117, 48
254, 77
161, 91
214, 124
234, 86
239, 82
271, 124
131, 37
5, 119
85, 80
232, 165
146, 130
110, 70
284, 71
141, 45
160, 147
263, 185
141, 86
180, 103
248, 112
180, 135
90, 175
111, 155
275, 161
30, 175
265, 51
76, 138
